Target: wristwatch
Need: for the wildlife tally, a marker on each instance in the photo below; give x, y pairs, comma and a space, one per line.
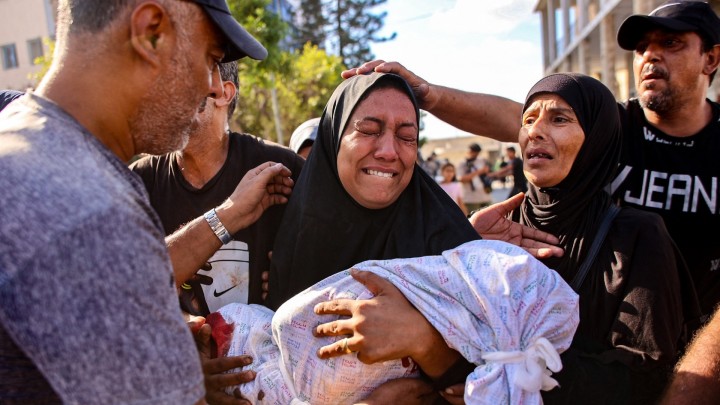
217, 227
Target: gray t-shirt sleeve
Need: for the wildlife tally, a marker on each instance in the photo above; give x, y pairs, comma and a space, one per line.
86, 285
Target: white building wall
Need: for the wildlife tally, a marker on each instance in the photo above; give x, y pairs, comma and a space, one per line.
21, 21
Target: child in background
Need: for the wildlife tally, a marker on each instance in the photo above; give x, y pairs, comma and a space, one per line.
452, 186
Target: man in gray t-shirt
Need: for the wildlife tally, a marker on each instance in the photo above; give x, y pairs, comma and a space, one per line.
81, 251
88, 305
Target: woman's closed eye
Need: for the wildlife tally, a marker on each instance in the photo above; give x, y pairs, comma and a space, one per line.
407, 134
368, 127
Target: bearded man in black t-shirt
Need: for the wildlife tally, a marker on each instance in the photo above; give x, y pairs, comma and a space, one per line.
185, 184
672, 133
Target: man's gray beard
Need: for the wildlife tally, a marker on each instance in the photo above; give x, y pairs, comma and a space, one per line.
661, 103
156, 132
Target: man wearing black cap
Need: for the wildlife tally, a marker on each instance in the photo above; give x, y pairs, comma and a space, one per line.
88, 302
671, 130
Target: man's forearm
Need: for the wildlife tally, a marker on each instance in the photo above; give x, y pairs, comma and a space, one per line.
481, 114
697, 376
190, 247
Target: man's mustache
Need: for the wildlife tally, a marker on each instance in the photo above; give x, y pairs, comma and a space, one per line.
654, 71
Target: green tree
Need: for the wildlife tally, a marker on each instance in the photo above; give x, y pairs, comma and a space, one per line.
311, 24
347, 27
301, 80
45, 61
266, 26
355, 27
313, 77
309, 78
255, 109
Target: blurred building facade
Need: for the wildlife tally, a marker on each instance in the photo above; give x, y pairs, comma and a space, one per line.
580, 36
25, 25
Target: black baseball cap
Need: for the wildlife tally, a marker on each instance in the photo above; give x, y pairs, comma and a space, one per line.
681, 16
239, 42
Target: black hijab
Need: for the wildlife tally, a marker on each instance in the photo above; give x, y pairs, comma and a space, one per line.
324, 230
574, 208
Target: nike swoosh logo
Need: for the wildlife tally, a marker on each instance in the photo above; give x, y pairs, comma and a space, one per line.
217, 294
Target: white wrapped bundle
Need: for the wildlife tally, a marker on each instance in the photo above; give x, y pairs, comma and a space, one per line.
498, 306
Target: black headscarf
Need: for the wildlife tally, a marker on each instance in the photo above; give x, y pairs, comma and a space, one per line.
324, 230
574, 208
637, 301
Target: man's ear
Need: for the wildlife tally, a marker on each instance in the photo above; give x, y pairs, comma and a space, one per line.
150, 32
229, 91
713, 60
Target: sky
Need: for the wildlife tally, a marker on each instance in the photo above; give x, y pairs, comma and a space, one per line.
488, 46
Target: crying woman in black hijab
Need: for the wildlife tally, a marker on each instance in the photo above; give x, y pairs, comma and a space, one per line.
636, 297
360, 195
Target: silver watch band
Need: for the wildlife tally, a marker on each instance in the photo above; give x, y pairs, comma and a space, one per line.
217, 227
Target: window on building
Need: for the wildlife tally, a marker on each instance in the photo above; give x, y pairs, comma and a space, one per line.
572, 17
9, 56
559, 31
35, 49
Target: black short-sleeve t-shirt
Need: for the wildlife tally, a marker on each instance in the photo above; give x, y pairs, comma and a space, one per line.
676, 177
237, 266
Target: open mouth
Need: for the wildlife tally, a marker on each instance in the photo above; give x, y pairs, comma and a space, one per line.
653, 77
386, 175
539, 156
